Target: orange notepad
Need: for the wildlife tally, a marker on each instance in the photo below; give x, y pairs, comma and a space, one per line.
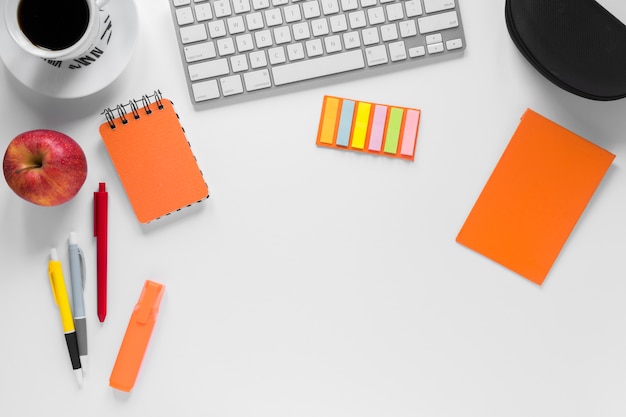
534, 197
152, 157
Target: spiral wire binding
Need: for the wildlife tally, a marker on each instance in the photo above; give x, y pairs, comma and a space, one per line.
133, 107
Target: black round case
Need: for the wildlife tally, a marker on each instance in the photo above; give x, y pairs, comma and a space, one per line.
577, 44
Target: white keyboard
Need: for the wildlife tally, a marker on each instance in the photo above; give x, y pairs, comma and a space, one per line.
235, 50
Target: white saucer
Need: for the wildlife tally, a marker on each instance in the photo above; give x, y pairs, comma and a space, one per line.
73, 83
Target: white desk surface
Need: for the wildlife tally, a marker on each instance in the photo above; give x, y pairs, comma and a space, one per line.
316, 282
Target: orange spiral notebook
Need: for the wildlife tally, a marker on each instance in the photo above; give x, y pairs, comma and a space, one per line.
152, 157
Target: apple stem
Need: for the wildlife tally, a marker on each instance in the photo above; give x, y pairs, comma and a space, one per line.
28, 168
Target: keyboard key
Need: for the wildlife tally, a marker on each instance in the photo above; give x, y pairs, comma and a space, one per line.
319, 27
257, 59
395, 12
408, 28
236, 25
200, 51
389, 32
282, 35
397, 51
263, 38
348, 5
244, 42
254, 21
203, 12
357, 19
241, 6
311, 9
257, 80
195, 33
375, 15
277, 55
370, 36
292, 13
273, 17
338, 23
454, 44
222, 8
314, 48
433, 6
351, 40
225, 46
332, 44
184, 16
376, 55
438, 22
413, 8
260, 4
318, 67
417, 51
435, 38
239, 63
231, 85
330, 7
295, 52
205, 90
435, 48
301, 31
217, 29
208, 69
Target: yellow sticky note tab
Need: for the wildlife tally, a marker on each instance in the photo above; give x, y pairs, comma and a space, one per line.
361, 124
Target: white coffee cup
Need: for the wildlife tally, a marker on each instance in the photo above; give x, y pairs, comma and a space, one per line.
57, 30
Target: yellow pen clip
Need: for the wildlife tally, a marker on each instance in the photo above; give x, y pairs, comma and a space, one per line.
59, 291
53, 267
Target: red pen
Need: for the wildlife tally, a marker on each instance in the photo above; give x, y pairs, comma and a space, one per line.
100, 216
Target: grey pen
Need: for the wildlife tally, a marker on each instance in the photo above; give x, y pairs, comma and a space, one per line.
77, 276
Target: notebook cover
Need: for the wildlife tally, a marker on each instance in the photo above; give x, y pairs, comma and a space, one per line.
534, 197
154, 162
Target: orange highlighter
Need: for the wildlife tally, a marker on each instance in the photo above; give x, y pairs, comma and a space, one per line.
137, 337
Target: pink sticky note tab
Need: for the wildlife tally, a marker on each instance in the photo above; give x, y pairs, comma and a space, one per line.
378, 127
409, 137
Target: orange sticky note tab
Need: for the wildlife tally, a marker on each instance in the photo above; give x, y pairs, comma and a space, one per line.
137, 336
534, 197
328, 125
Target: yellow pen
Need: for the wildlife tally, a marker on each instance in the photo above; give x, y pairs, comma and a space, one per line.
57, 282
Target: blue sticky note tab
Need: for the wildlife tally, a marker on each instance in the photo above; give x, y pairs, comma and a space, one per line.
345, 123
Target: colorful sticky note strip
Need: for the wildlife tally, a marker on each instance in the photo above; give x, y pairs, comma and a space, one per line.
368, 127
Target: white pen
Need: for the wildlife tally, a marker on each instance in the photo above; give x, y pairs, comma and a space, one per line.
77, 276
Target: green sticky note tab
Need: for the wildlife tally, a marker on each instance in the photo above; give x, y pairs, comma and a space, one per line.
393, 130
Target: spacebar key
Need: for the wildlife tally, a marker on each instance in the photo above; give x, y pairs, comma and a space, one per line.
318, 67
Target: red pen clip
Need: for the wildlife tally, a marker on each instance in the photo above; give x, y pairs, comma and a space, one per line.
100, 231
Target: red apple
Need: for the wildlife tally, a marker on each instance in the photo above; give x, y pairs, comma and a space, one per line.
45, 167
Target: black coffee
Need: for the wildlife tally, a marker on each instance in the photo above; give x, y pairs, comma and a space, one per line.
53, 24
